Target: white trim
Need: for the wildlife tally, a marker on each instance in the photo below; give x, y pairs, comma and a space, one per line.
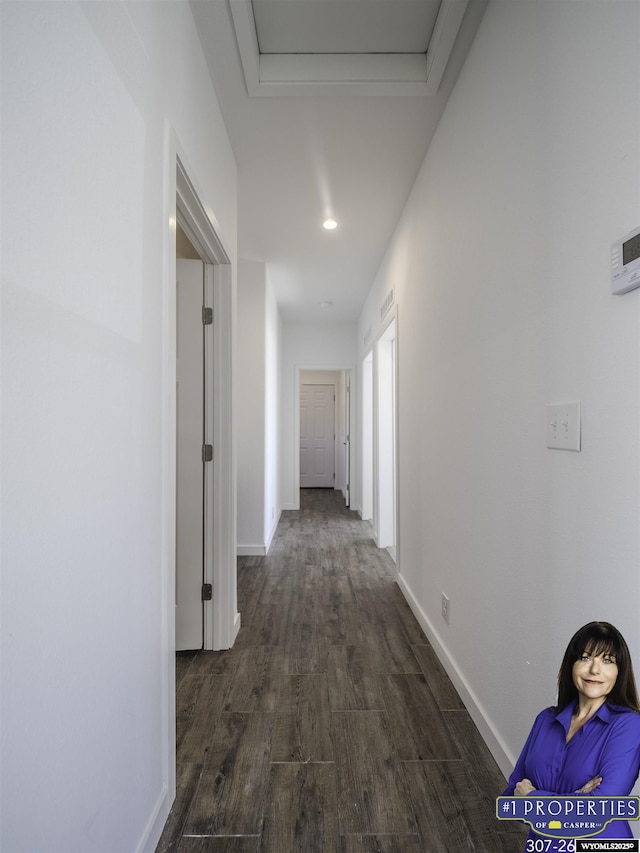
155, 825
346, 74
199, 224
202, 229
247, 38
220, 515
443, 38
252, 550
488, 731
263, 549
390, 319
359, 69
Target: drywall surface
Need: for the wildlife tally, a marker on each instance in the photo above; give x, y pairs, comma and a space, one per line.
251, 393
89, 95
257, 373
273, 345
500, 270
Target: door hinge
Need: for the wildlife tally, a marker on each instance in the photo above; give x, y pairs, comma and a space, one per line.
207, 316
207, 591
207, 452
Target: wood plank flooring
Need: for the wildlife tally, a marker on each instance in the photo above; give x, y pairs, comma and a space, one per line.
331, 726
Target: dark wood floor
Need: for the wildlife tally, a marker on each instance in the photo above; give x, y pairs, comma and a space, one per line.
331, 726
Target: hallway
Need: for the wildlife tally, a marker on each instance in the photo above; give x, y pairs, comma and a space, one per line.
331, 725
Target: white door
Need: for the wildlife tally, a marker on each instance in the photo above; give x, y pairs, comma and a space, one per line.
317, 439
189, 474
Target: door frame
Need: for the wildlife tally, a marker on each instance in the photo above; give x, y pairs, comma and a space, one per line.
221, 620
350, 372
181, 199
381, 536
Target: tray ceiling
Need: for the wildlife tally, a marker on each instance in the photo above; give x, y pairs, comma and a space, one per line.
377, 47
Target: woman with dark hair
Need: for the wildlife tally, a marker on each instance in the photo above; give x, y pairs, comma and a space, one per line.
590, 741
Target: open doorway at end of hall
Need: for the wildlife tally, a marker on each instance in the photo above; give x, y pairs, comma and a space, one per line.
325, 430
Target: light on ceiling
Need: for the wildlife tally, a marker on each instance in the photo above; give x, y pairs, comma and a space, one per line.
325, 304
329, 224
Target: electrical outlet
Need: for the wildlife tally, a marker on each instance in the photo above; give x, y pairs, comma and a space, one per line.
446, 606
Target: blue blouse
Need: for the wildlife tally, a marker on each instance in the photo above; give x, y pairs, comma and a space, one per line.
607, 745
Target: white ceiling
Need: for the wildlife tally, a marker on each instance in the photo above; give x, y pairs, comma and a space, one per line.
344, 26
306, 152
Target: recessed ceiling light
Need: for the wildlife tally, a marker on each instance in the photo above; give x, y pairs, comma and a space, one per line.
329, 224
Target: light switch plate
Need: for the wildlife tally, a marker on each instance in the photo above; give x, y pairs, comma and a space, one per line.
563, 426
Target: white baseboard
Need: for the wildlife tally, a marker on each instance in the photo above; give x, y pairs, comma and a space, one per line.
496, 746
262, 549
251, 550
156, 822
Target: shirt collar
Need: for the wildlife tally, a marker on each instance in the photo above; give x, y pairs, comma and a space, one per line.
564, 716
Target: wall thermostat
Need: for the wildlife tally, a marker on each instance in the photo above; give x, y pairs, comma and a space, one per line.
625, 263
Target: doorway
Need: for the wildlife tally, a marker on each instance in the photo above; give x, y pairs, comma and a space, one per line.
323, 417
386, 445
221, 620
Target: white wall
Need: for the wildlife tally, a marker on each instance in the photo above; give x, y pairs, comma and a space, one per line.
257, 395
363, 492
88, 94
384, 510
500, 267
273, 336
307, 347
250, 373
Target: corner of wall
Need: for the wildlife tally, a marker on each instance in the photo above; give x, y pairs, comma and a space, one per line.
272, 532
